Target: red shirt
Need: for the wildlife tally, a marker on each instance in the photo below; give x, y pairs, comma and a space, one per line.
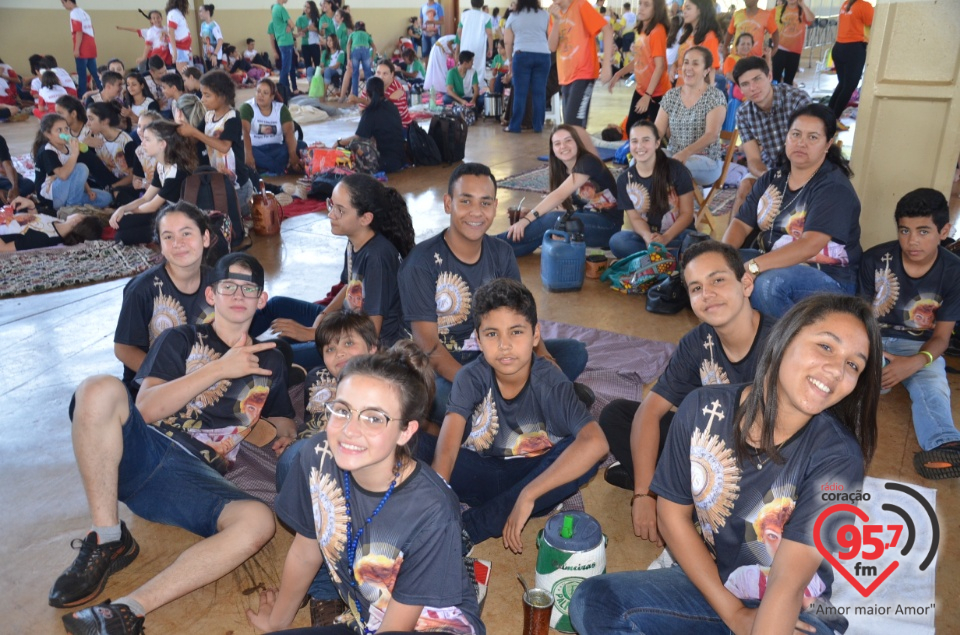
80, 23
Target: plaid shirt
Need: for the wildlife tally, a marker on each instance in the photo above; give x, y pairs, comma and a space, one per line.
769, 128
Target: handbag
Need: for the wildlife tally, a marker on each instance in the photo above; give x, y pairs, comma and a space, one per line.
668, 296
636, 273
266, 212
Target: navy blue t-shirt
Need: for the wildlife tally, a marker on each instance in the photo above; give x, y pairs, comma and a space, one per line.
152, 304
410, 551
907, 307
438, 287
701, 361
372, 287
599, 193
741, 506
827, 204
543, 413
633, 192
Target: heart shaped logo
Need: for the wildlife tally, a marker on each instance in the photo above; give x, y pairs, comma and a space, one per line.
839, 566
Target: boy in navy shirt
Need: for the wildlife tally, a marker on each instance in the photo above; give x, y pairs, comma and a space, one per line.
914, 284
723, 349
204, 388
530, 442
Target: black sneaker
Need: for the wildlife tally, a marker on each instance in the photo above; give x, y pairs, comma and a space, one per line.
325, 612
584, 394
104, 619
85, 578
618, 476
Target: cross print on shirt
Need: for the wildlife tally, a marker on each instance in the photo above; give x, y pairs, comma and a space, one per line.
715, 412
324, 452
709, 344
886, 261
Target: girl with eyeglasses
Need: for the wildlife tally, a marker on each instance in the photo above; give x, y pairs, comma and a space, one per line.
379, 231
385, 524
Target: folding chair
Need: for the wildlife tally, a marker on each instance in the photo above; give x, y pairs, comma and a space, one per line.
703, 202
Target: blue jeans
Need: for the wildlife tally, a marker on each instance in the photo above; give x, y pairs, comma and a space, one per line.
163, 483
777, 290
628, 242
331, 76
428, 42
72, 192
929, 394
491, 485
597, 230
571, 356
704, 170
83, 65
322, 587
658, 601
302, 312
273, 158
530, 72
287, 72
359, 57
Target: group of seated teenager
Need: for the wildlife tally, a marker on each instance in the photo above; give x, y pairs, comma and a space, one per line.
477, 391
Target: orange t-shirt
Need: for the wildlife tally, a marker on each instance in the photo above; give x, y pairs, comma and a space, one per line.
761, 22
711, 42
853, 22
646, 48
729, 63
793, 28
577, 48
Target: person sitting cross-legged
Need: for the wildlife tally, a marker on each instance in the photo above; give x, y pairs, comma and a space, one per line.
204, 389
912, 283
516, 441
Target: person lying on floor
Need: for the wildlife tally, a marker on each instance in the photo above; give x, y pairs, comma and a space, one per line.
204, 389
912, 283
519, 406
723, 349
28, 230
439, 277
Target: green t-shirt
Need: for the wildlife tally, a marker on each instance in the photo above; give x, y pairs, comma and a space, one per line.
498, 65
326, 60
341, 33
280, 17
302, 23
454, 79
417, 68
327, 27
360, 38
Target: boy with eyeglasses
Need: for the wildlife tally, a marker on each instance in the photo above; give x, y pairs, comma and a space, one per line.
203, 389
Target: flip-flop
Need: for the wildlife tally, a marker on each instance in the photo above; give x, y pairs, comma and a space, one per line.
939, 463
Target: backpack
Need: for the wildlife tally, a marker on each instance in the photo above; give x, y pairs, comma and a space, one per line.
421, 147
210, 190
450, 135
366, 157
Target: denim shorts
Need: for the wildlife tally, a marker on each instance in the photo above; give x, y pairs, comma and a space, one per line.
183, 56
161, 482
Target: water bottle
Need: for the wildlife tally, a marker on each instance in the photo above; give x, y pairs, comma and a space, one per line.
66, 137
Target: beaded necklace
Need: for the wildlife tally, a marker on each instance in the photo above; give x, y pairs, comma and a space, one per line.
354, 541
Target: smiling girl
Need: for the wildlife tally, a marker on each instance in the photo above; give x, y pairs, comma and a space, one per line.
808, 418
169, 294
657, 193
392, 541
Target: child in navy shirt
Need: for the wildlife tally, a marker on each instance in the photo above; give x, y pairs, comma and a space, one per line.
530, 442
913, 283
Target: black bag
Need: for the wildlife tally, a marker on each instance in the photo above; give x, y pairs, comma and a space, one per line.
668, 296
323, 184
211, 190
422, 148
450, 135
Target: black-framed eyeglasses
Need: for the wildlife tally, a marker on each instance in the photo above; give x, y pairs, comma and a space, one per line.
227, 288
333, 207
372, 421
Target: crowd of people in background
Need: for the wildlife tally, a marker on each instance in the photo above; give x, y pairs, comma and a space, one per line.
425, 373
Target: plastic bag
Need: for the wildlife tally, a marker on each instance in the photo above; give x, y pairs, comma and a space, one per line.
317, 88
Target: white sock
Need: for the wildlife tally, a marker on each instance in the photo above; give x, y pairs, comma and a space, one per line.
107, 534
135, 606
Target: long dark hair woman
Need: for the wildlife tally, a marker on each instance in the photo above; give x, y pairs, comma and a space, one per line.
807, 216
850, 53
751, 461
657, 193
649, 62
580, 186
700, 28
379, 230
381, 121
